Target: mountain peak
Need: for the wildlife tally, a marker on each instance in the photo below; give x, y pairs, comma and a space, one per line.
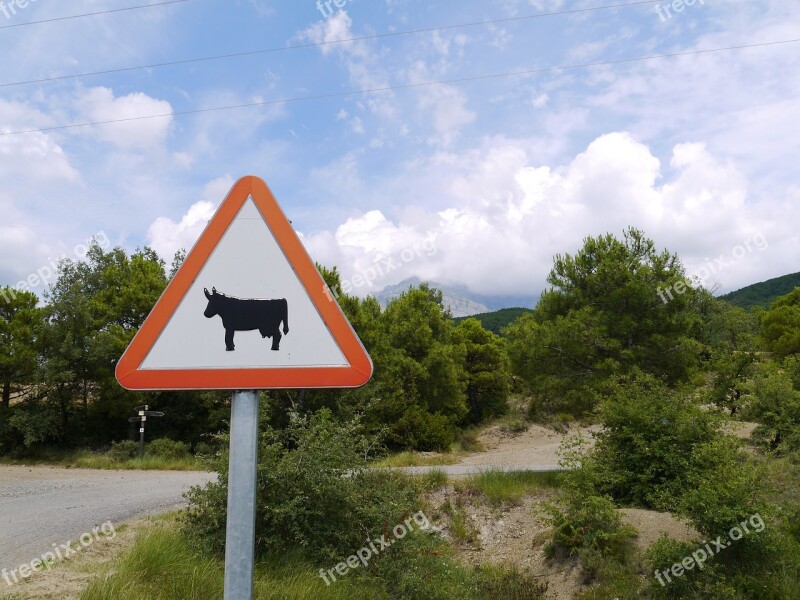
456, 297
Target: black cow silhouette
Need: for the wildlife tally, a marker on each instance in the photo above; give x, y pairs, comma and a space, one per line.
248, 315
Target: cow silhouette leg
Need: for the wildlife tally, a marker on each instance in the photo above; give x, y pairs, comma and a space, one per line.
229, 340
276, 340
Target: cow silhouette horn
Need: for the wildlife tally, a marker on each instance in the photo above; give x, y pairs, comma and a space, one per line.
205, 291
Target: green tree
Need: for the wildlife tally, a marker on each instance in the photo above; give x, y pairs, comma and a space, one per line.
626, 283
20, 329
417, 352
780, 325
614, 307
93, 310
487, 370
774, 402
21, 326
732, 334
562, 359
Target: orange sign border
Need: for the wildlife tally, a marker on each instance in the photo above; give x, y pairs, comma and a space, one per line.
129, 373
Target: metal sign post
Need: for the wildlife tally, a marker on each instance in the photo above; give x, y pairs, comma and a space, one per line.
240, 534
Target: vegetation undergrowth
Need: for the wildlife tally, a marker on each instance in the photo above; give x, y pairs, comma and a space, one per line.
501, 488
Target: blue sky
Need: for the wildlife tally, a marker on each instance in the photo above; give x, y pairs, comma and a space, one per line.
499, 174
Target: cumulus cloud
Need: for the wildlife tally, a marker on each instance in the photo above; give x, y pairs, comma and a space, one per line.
35, 155
99, 104
506, 217
509, 218
166, 236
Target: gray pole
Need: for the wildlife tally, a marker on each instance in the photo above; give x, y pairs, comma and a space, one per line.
141, 439
241, 525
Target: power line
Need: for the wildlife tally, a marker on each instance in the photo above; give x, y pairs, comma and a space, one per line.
327, 43
401, 87
92, 14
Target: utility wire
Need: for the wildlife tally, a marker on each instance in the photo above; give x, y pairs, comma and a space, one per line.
91, 14
328, 43
402, 87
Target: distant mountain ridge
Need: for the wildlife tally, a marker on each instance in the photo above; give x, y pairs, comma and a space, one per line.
763, 294
458, 298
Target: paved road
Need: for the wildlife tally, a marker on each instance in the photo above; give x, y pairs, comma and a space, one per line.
41, 506
458, 470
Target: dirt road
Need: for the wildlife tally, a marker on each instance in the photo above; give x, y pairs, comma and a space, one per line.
43, 507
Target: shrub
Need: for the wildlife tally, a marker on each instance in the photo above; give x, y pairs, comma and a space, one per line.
649, 449
314, 493
166, 448
124, 450
514, 427
206, 449
468, 441
705, 582
588, 524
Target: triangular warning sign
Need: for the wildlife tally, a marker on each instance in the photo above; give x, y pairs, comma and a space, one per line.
247, 310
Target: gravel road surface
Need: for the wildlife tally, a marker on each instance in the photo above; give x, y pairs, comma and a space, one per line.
43, 506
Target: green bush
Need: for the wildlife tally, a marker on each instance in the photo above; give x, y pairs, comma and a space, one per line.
166, 448
588, 524
314, 493
124, 450
705, 582
206, 449
649, 450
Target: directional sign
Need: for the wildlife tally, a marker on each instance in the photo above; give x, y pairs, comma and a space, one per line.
153, 413
246, 310
135, 420
142, 407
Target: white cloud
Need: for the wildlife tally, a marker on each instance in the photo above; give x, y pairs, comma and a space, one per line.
166, 236
508, 218
331, 30
99, 104
34, 155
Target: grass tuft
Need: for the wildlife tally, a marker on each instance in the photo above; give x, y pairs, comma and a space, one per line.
416, 459
501, 488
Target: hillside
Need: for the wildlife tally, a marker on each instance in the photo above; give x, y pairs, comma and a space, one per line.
764, 293
495, 321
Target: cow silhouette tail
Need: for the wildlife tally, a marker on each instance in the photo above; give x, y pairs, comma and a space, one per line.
285, 317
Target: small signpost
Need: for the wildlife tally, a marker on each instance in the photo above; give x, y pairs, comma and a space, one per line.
143, 414
245, 280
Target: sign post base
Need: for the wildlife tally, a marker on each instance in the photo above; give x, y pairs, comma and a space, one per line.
240, 531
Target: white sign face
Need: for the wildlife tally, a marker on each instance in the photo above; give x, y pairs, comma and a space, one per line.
246, 309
